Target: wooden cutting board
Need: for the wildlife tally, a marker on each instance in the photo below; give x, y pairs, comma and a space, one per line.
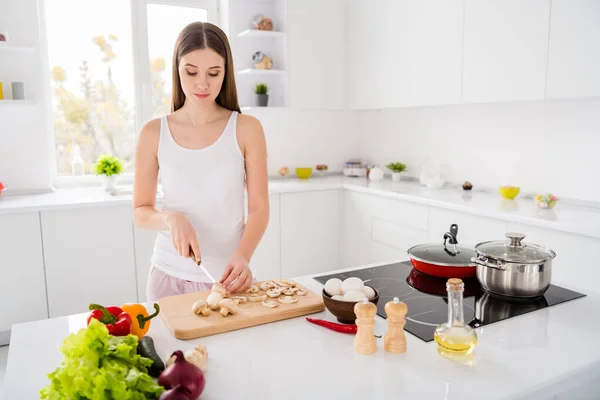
177, 313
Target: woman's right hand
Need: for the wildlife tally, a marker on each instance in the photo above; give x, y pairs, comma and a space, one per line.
183, 235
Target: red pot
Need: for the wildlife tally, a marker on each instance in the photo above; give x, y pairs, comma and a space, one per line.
444, 260
437, 286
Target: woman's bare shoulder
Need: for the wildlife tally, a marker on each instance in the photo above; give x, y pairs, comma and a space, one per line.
150, 134
249, 125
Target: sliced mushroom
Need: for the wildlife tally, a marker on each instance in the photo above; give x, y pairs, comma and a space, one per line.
239, 299
252, 289
281, 284
227, 307
213, 300
290, 291
289, 282
301, 292
273, 293
288, 299
266, 286
256, 297
219, 288
201, 307
269, 304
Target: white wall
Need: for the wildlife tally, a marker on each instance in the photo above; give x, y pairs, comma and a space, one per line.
542, 146
305, 138
24, 141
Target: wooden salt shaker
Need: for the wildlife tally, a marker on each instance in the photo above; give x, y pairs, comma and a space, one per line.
364, 340
395, 339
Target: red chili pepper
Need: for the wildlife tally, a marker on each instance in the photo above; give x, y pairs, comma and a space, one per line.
117, 321
343, 328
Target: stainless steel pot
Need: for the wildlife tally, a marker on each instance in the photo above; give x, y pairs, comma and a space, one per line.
514, 269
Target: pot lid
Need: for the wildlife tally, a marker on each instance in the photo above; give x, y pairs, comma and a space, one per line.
512, 250
452, 255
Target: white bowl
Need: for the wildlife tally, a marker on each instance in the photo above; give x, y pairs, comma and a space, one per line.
435, 183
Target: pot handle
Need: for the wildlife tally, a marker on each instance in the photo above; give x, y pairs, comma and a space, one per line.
486, 263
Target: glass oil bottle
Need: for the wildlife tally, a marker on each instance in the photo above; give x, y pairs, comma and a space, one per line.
454, 337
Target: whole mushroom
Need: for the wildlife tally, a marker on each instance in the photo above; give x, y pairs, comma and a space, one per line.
213, 300
201, 307
227, 307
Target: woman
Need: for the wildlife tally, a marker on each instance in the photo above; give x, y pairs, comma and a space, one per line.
206, 152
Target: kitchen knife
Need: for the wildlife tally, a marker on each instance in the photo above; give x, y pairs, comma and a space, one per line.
199, 263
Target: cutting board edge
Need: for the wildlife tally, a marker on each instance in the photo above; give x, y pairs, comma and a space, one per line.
191, 335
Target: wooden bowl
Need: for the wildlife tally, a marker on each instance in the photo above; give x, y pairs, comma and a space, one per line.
344, 310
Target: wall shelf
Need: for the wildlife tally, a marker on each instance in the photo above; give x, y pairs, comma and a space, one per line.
14, 48
254, 71
258, 33
10, 102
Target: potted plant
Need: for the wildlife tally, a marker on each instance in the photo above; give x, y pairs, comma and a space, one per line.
262, 98
397, 168
109, 167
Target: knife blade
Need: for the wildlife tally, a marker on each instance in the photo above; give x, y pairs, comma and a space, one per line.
199, 264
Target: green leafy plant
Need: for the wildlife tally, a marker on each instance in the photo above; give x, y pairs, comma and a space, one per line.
396, 167
108, 165
261, 88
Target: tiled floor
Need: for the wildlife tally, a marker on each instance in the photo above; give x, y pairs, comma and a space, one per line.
3, 358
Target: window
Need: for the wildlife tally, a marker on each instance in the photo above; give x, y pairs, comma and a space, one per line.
110, 66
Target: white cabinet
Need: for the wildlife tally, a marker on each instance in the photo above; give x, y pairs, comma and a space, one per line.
89, 258
144, 246
356, 230
310, 230
574, 53
317, 53
379, 229
405, 52
576, 262
505, 50
395, 227
22, 286
472, 229
266, 259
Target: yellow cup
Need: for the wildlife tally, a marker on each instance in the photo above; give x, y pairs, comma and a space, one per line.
1, 95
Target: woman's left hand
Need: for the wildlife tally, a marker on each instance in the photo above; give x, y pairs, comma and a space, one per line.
237, 268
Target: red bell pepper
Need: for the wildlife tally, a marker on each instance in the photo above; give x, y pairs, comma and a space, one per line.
117, 321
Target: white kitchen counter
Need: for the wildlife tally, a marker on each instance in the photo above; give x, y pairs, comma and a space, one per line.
564, 217
537, 355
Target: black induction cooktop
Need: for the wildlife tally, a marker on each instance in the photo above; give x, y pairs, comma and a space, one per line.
427, 303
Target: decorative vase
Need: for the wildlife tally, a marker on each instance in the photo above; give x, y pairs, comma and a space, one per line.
110, 182
262, 100
396, 176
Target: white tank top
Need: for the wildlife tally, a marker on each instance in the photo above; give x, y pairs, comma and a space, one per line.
207, 186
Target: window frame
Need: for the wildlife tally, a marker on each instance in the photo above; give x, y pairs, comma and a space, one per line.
142, 83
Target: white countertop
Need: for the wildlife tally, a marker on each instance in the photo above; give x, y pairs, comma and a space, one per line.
564, 217
532, 356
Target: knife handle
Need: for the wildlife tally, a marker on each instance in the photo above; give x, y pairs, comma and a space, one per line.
194, 256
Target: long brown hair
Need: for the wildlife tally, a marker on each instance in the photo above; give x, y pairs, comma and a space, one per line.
202, 35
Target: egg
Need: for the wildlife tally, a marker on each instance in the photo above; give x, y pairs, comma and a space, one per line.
369, 292
352, 284
354, 295
338, 297
333, 286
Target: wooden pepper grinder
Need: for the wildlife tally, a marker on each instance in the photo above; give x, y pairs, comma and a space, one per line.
395, 339
364, 340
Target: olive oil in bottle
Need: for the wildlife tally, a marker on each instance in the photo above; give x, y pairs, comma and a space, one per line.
454, 337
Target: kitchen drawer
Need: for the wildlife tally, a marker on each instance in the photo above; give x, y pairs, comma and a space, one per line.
395, 235
401, 212
472, 229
